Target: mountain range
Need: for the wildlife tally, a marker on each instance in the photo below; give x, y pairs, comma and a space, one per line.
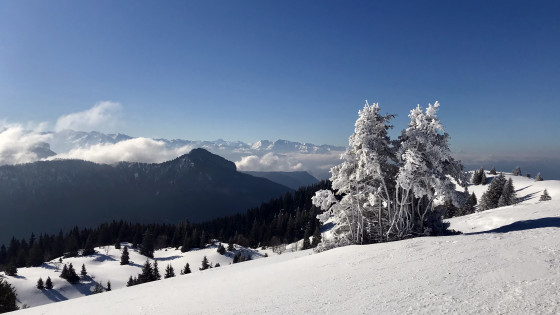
46, 196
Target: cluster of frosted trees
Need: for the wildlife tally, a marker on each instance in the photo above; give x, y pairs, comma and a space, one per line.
385, 189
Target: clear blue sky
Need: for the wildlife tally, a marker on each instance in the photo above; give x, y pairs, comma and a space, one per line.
297, 70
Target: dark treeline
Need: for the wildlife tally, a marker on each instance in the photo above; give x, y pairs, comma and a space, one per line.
279, 221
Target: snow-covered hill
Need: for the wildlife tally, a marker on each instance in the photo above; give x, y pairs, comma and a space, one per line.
507, 262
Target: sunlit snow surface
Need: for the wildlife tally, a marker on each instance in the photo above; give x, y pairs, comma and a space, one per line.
513, 270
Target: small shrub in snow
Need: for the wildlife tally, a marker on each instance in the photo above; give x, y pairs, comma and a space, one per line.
545, 196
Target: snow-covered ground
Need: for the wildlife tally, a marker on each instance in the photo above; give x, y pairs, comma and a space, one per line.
507, 262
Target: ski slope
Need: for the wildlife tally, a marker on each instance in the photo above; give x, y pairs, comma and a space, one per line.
507, 262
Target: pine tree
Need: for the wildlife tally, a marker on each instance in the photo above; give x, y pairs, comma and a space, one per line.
97, 289
8, 297
470, 204
84, 271
491, 197
205, 264
221, 249
157, 275
316, 237
538, 178
483, 178
306, 243
11, 270
131, 281
545, 196
493, 171
147, 248
64, 272
230, 247
72, 276
169, 272
125, 259
186, 270
108, 285
48, 283
516, 171
88, 248
147, 273
40, 284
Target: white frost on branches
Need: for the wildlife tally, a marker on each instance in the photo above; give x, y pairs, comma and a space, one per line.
386, 187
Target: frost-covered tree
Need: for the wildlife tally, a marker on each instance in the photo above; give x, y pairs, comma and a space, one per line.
426, 170
493, 171
470, 204
539, 177
384, 189
516, 171
545, 196
360, 180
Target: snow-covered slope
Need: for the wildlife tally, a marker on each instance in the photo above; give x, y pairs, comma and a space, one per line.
507, 262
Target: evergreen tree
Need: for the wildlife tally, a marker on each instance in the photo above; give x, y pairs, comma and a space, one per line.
230, 247
491, 197
493, 171
477, 176
40, 284
88, 248
147, 248
8, 297
131, 281
516, 171
186, 270
508, 196
306, 235
205, 264
147, 273
117, 246
84, 271
72, 276
108, 285
169, 272
11, 270
470, 204
35, 257
125, 259
97, 289
316, 237
186, 244
48, 283
538, 178
221, 249
64, 272
545, 196
483, 178
157, 275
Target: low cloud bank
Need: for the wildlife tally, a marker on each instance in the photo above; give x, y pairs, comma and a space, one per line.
316, 164
134, 150
18, 145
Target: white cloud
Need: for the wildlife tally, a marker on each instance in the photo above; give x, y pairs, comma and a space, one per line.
268, 162
17, 145
134, 150
316, 164
101, 117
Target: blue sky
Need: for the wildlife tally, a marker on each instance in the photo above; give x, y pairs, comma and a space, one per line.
297, 70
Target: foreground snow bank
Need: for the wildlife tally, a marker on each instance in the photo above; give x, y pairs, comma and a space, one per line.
514, 270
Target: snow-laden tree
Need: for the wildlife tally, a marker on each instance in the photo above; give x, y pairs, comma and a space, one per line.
539, 177
425, 172
545, 196
383, 189
516, 171
360, 181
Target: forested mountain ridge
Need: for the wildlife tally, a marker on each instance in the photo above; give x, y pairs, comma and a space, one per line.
197, 186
